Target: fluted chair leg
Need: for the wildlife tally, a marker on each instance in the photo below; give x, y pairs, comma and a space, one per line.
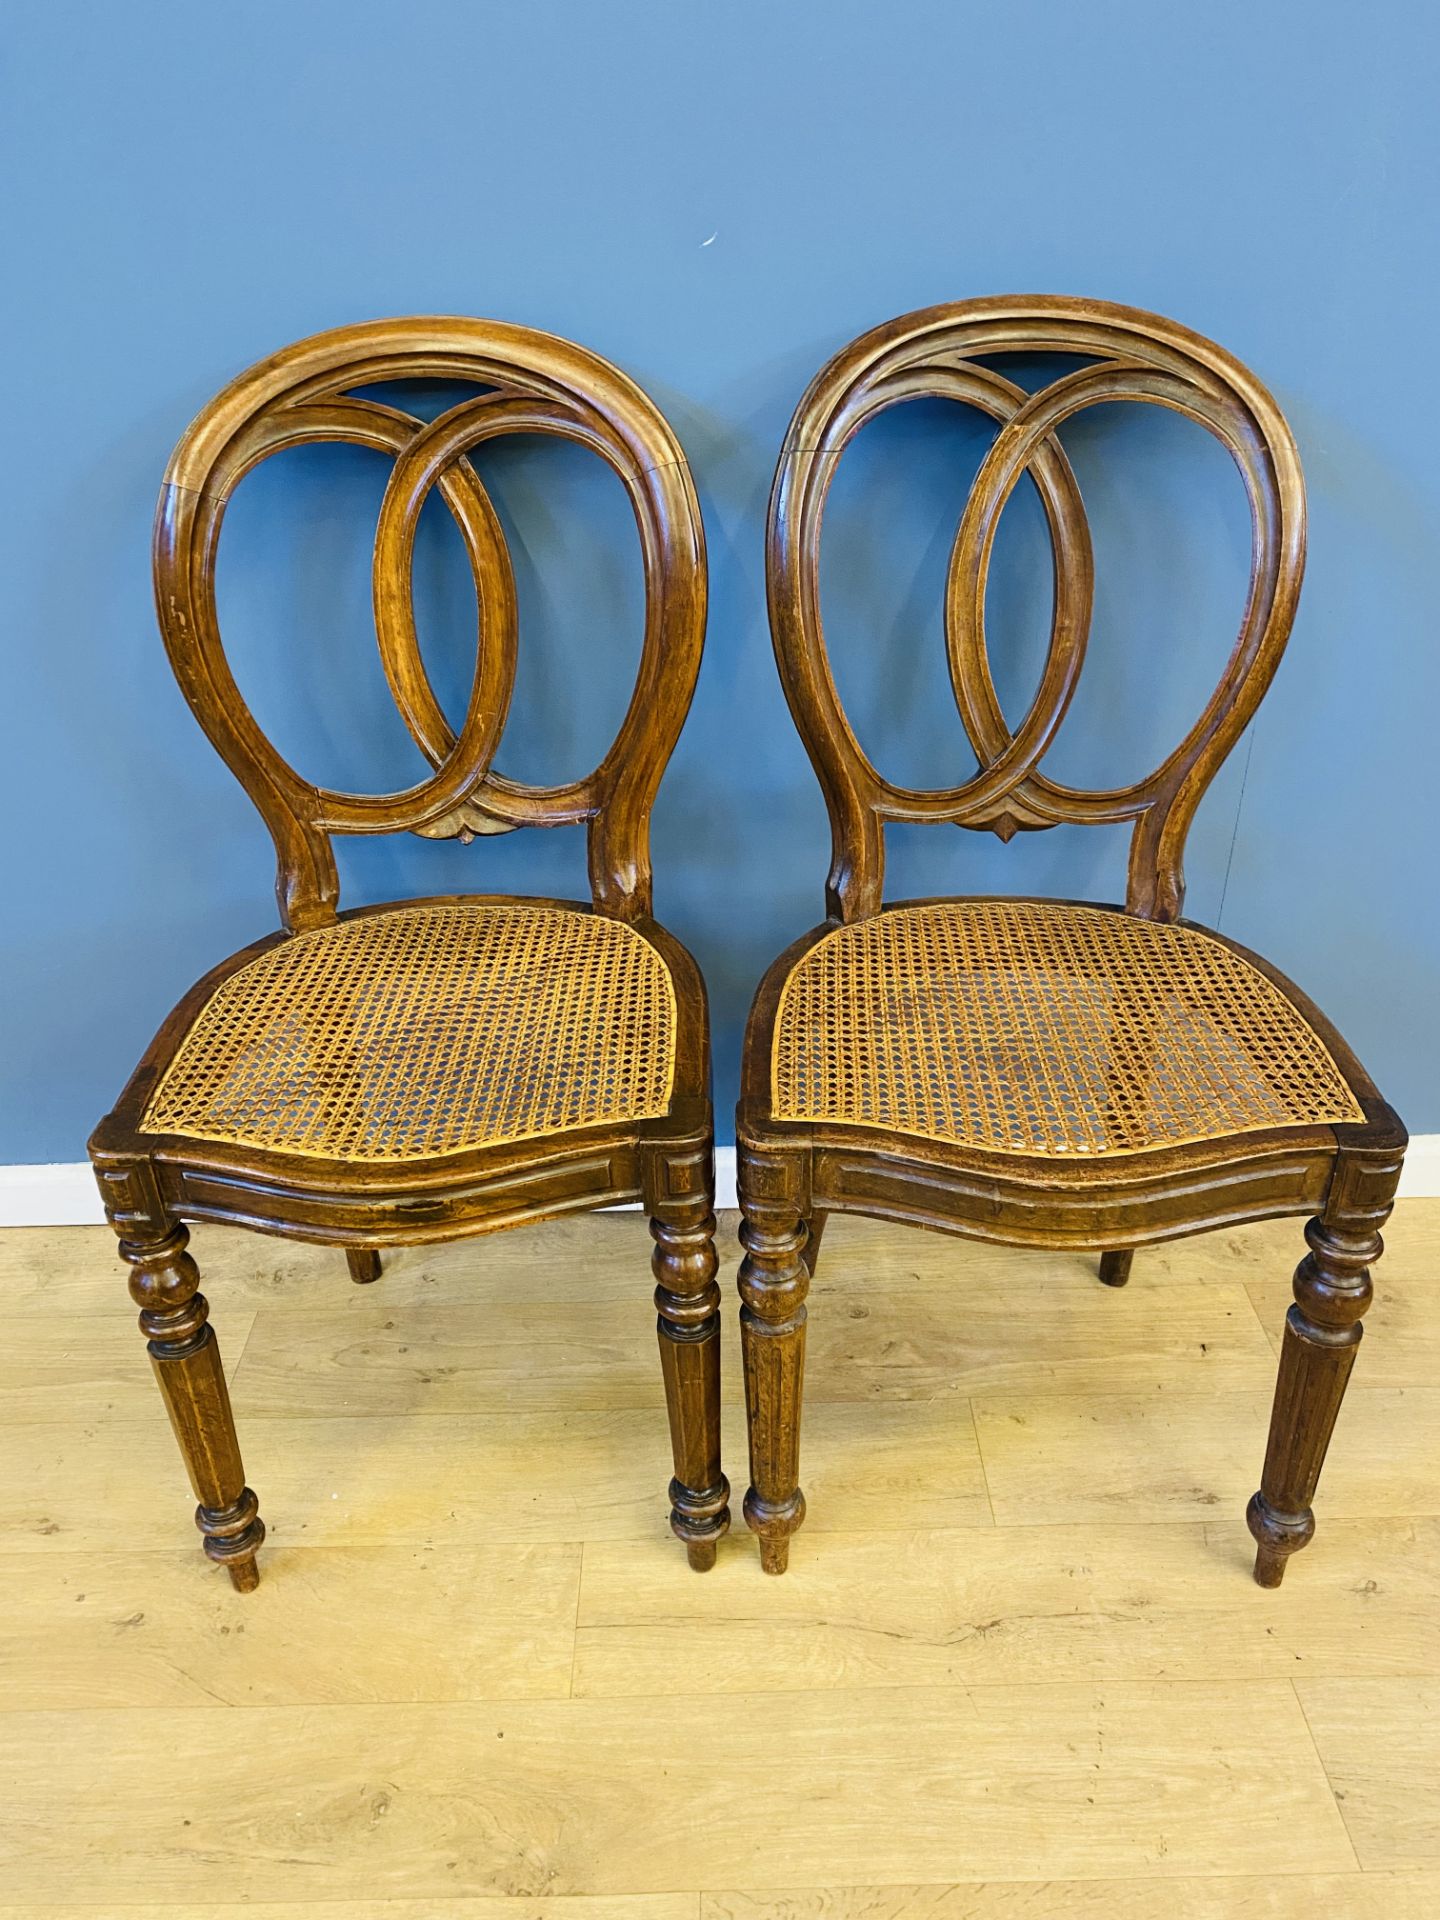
1115, 1267
1322, 1332
364, 1265
687, 1300
164, 1282
774, 1280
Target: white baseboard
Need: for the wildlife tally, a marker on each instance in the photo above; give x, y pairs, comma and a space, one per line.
62, 1194
1421, 1177
65, 1195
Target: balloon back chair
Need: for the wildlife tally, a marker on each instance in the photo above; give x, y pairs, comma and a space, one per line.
1039, 1072
445, 1066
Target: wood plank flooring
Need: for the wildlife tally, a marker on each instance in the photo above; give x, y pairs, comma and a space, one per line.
1018, 1668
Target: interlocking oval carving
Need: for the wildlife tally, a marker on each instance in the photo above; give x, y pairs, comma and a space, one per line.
940, 353
533, 383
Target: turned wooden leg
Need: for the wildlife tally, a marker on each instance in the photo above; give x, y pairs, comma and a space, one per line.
1322, 1331
164, 1283
774, 1279
364, 1265
687, 1299
1115, 1267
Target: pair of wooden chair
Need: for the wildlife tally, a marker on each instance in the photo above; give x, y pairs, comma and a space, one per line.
1034, 1072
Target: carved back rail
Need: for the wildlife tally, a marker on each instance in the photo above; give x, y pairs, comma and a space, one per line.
534, 383
939, 353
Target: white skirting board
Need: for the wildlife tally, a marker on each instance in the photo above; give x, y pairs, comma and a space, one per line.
64, 1194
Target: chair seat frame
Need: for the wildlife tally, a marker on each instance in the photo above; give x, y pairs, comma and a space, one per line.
793, 1174
148, 1177
1078, 1201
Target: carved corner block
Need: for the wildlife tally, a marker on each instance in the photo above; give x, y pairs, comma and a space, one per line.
1362, 1190
774, 1177
130, 1194
671, 1176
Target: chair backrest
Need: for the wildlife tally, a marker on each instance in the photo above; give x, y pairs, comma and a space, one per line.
941, 353
533, 383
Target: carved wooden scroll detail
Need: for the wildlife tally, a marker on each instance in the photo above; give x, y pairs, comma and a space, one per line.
940, 353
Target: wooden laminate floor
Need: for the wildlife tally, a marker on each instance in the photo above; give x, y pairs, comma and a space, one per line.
1018, 1667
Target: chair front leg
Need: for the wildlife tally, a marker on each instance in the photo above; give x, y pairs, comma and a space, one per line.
774, 1280
687, 1300
164, 1283
1322, 1332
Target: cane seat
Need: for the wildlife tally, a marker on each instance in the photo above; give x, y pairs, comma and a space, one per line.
1044, 1028
427, 1029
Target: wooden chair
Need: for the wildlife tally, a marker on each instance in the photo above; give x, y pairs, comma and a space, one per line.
445, 1066
1039, 1072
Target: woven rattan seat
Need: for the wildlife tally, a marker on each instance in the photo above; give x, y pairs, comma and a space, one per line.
428, 1029
1036, 1027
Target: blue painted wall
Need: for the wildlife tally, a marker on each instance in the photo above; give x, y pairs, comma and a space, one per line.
715, 197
